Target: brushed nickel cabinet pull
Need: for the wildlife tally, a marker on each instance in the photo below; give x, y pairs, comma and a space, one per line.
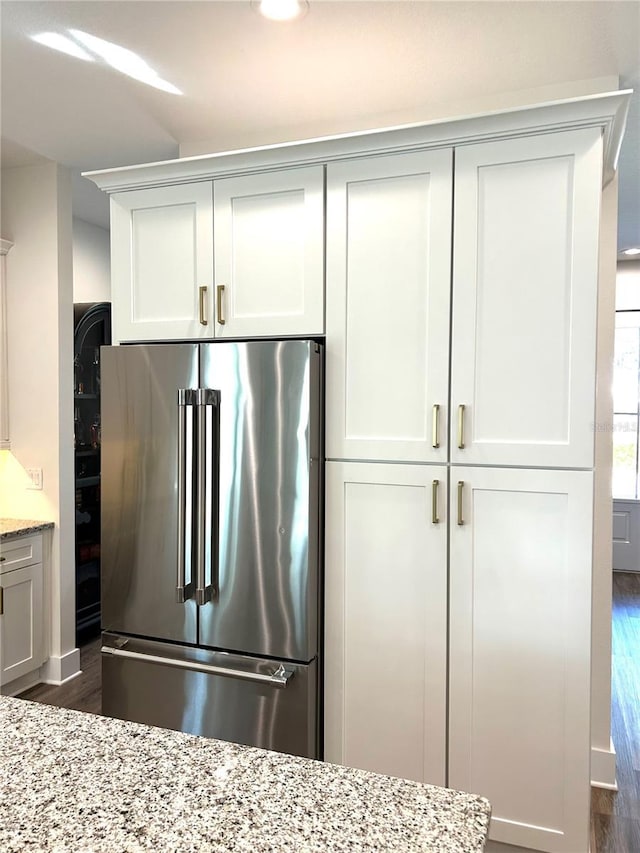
434, 502
203, 293
219, 295
460, 489
461, 427
436, 426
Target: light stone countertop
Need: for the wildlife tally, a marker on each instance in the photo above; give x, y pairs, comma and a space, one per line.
71, 781
12, 527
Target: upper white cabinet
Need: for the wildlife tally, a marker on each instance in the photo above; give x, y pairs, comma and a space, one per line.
519, 650
269, 253
388, 274
162, 263
525, 277
263, 235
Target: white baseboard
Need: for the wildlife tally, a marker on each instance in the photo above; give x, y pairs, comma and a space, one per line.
603, 768
59, 670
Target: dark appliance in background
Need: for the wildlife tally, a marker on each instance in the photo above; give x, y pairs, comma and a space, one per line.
212, 519
92, 330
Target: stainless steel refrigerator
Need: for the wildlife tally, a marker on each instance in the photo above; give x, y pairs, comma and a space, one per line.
212, 476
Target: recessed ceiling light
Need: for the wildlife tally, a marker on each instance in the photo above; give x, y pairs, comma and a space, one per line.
281, 10
635, 250
63, 44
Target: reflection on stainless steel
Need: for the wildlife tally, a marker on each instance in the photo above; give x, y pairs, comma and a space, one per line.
266, 568
139, 489
161, 685
211, 518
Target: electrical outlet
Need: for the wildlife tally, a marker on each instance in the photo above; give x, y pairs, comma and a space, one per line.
35, 475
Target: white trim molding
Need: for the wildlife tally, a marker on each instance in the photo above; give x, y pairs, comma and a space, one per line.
603, 768
607, 111
59, 670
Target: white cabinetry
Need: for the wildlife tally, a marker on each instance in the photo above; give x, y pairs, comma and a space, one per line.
262, 234
5, 245
386, 627
388, 273
525, 230
525, 279
520, 616
21, 608
462, 274
161, 255
269, 253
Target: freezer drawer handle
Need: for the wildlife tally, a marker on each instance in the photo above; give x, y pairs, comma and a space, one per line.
279, 678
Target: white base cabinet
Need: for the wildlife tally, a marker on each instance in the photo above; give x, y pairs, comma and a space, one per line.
519, 640
386, 625
21, 608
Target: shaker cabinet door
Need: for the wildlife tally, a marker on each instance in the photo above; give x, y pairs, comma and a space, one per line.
21, 622
269, 254
161, 259
386, 618
525, 276
519, 641
388, 285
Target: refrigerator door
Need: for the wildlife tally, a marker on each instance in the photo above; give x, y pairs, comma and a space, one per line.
148, 483
264, 593
247, 700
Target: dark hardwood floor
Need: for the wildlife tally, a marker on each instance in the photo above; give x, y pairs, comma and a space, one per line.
615, 816
83, 693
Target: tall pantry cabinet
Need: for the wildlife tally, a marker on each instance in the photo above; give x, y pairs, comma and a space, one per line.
452, 268
493, 406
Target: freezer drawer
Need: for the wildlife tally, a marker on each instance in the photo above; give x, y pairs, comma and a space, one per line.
265, 703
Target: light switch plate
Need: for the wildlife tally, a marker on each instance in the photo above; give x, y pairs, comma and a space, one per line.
35, 475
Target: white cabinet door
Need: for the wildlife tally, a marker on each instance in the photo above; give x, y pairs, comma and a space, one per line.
161, 257
21, 618
520, 620
524, 300
388, 285
269, 253
386, 619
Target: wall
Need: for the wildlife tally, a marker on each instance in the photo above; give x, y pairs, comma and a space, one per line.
91, 263
225, 141
36, 216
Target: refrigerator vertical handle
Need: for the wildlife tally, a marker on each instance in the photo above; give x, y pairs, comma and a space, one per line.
208, 492
186, 401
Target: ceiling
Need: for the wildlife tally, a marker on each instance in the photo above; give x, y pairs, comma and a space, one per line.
345, 66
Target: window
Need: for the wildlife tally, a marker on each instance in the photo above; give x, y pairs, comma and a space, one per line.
626, 401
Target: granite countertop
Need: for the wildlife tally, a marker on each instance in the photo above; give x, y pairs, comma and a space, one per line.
12, 527
70, 781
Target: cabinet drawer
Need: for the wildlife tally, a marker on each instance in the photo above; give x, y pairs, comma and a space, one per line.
20, 552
